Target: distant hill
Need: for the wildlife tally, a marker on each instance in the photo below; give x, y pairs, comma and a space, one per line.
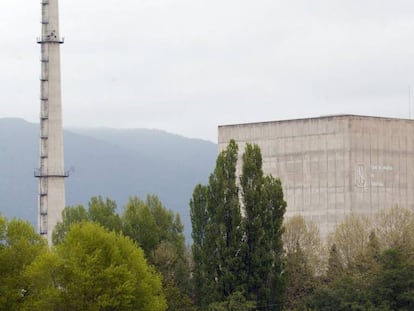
113, 163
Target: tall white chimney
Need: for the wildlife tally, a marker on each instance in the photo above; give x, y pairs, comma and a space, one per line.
51, 172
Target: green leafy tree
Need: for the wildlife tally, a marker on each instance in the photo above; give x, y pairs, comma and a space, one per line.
19, 247
224, 232
157, 230
70, 215
93, 269
300, 278
199, 220
177, 300
384, 282
218, 232
393, 289
44, 279
232, 253
335, 269
276, 208
347, 293
264, 208
3, 230
149, 223
161, 235
394, 228
304, 261
235, 302
305, 234
351, 239
104, 213
368, 265
258, 254
140, 225
374, 273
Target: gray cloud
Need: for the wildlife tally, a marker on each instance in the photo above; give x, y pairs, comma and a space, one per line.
187, 66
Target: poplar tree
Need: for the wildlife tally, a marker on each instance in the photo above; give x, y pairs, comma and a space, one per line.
224, 230
218, 234
264, 208
234, 253
258, 255
199, 217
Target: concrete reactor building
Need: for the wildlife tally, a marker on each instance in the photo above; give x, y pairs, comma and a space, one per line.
334, 165
51, 172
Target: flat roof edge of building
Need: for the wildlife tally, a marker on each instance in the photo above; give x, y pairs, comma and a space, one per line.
316, 118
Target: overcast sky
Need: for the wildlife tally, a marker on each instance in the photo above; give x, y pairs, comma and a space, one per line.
187, 66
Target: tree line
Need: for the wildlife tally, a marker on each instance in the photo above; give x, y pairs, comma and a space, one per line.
100, 260
367, 263
245, 256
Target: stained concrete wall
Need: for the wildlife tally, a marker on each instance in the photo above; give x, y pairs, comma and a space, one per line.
330, 166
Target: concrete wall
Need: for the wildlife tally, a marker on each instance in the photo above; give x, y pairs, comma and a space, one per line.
330, 166
51, 171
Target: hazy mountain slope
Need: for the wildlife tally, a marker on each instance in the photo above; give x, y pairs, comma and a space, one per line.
113, 163
18, 150
155, 143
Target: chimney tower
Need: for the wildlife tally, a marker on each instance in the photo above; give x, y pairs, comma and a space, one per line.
51, 173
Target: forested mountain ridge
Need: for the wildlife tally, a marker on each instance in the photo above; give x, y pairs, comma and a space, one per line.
108, 162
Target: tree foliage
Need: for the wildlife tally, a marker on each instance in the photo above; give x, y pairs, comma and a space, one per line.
93, 269
304, 235
224, 230
264, 208
393, 287
160, 234
19, 247
199, 219
217, 232
235, 302
237, 228
394, 228
70, 215
373, 267
351, 238
157, 230
149, 223
303, 261
101, 211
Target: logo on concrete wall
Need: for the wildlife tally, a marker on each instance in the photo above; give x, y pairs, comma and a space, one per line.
360, 179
